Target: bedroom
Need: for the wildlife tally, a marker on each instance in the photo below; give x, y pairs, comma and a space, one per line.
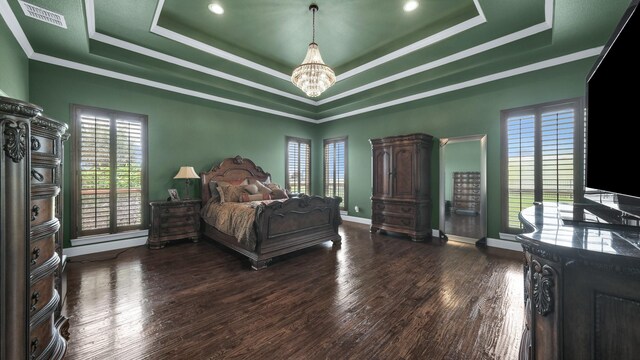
189, 125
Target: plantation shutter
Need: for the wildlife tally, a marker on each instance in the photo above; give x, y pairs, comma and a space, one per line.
129, 173
298, 165
109, 166
95, 174
335, 180
540, 157
557, 132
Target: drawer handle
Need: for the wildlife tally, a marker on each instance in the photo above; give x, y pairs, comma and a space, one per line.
34, 347
35, 144
406, 209
35, 211
35, 297
36, 175
35, 254
406, 221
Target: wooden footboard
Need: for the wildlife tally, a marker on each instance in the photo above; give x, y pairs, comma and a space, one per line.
297, 223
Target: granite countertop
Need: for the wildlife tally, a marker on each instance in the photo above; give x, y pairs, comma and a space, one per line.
573, 229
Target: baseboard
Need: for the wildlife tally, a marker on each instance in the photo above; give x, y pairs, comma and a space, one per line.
356, 219
495, 243
504, 244
104, 246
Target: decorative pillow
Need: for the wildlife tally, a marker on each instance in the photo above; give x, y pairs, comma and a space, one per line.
261, 188
233, 182
279, 194
231, 193
213, 189
255, 197
273, 186
251, 189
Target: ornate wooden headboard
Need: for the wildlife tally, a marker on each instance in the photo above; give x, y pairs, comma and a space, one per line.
230, 169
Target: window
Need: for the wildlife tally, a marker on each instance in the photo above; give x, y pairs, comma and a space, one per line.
298, 165
335, 169
541, 157
110, 175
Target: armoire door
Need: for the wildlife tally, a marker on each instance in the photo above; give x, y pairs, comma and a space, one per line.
404, 172
381, 172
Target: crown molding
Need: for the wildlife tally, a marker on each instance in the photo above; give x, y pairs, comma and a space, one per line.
14, 26
162, 86
109, 40
470, 83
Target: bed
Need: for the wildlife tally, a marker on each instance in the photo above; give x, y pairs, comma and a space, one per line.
262, 225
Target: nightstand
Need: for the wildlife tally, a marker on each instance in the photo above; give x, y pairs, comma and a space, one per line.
173, 220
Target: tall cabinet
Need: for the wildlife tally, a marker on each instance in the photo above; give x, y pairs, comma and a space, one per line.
31, 323
401, 198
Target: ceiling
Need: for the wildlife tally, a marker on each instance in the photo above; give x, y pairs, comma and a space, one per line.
382, 55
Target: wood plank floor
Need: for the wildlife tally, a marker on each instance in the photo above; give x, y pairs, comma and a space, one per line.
374, 297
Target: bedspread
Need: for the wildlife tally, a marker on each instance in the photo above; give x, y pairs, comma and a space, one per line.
234, 219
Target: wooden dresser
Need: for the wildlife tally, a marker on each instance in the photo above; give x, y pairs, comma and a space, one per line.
31, 323
401, 197
174, 220
581, 286
466, 192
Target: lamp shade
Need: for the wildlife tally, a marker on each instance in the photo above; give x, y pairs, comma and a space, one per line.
186, 172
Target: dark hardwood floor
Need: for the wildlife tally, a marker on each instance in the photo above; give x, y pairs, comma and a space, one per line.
374, 297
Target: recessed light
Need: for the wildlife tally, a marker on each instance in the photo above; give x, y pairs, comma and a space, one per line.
410, 5
216, 9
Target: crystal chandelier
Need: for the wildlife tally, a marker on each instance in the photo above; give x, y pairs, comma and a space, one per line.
313, 76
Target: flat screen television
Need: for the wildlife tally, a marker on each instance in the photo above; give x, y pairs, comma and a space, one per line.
612, 115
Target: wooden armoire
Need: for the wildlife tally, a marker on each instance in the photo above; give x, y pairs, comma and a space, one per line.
401, 197
31, 323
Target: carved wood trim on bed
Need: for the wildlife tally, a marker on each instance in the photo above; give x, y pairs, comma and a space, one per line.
281, 227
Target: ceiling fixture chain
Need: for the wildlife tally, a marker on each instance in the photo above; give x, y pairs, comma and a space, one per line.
313, 76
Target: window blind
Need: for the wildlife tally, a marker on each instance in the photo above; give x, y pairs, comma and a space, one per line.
298, 165
110, 160
335, 168
540, 158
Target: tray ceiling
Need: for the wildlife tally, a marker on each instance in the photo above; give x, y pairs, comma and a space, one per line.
382, 55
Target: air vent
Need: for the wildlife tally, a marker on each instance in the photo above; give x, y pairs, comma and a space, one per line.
41, 14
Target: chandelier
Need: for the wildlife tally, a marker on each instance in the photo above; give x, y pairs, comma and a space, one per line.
313, 76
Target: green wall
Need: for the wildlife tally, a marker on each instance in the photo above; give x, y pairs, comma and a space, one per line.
470, 111
181, 130
14, 66
188, 131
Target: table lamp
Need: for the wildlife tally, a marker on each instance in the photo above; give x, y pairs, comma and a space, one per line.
188, 173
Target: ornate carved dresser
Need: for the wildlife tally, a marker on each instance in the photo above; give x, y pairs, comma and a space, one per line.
31, 324
582, 286
401, 196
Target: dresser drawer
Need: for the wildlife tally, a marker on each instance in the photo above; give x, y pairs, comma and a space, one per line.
41, 250
172, 211
44, 144
41, 336
42, 210
393, 220
41, 293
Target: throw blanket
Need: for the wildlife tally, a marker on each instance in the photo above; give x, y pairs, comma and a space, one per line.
235, 219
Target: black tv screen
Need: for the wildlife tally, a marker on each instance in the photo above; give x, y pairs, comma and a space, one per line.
613, 111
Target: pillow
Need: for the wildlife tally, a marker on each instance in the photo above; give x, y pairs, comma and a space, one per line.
261, 188
233, 182
255, 197
273, 186
213, 189
279, 194
230, 193
251, 189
